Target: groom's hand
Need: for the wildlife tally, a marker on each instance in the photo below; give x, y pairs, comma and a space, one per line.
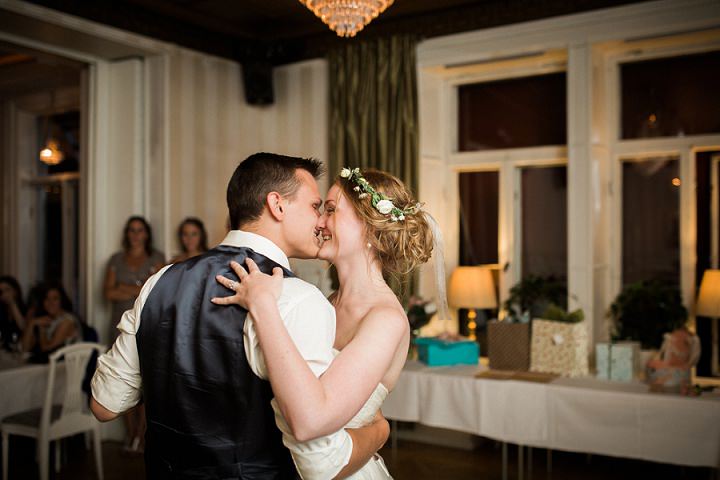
366, 442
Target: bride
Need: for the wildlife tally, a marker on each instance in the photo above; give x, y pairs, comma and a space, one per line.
371, 227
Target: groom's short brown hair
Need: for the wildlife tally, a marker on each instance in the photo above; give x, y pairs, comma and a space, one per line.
260, 174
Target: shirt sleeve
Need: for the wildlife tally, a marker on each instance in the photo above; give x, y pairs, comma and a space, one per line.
310, 320
116, 384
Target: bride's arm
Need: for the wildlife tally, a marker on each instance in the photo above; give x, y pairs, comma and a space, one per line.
314, 407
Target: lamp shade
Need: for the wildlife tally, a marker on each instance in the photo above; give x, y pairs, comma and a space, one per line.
472, 287
708, 302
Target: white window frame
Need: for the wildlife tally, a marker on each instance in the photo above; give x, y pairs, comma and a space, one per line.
507, 162
684, 148
587, 40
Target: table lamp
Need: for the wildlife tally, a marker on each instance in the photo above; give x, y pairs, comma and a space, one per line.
472, 288
708, 305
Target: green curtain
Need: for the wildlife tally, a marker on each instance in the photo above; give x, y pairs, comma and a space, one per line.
373, 107
374, 114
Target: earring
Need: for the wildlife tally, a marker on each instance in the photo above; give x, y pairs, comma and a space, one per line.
368, 245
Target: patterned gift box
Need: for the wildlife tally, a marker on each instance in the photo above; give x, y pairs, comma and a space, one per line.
509, 346
618, 361
559, 347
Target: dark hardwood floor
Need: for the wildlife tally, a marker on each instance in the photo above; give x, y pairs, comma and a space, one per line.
412, 461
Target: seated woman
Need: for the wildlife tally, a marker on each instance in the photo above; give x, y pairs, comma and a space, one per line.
12, 311
53, 327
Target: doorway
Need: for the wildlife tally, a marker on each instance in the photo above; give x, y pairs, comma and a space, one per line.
42, 120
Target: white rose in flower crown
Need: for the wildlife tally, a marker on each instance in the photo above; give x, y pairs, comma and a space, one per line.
384, 206
345, 172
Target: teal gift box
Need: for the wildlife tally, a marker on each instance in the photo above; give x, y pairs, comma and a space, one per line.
435, 352
617, 361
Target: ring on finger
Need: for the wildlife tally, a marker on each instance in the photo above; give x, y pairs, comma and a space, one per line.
232, 285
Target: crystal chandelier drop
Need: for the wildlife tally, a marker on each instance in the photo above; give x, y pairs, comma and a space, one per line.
347, 17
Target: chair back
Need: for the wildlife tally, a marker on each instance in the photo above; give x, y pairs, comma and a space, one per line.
74, 405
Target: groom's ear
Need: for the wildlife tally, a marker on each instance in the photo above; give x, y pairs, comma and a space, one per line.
274, 203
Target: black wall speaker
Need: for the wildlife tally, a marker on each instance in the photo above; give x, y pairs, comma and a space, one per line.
258, 82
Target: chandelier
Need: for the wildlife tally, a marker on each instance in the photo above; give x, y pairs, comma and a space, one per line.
347, 17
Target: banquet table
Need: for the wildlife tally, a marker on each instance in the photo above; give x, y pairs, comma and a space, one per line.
23, 386
579, 415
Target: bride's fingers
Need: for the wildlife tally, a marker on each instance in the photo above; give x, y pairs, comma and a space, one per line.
251, 265
277, 272
226, 282
222, 300
239, 270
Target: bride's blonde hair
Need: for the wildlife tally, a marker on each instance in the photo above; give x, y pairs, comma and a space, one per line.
399, 246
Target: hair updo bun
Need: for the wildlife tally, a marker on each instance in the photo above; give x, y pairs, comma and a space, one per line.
400, 246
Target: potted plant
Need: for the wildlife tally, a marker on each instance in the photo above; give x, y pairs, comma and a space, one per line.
644, 311
532, 295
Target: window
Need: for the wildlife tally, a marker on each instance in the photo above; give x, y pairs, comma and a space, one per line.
544, 221
671, 97
651, 220
520, 112
707, 169
479, 203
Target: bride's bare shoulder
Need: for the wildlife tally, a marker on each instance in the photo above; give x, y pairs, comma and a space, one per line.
386, 316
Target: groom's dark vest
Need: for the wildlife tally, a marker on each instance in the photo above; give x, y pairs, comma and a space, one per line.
208, 414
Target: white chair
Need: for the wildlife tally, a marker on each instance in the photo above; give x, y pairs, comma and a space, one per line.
55, 422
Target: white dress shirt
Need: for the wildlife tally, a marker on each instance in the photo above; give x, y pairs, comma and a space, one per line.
310, 320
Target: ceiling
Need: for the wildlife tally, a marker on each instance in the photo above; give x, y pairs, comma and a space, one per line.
23, 71
283, 31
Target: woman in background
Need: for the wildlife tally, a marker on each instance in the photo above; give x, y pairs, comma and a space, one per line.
126, 273
12, 311
54, 326
192, 238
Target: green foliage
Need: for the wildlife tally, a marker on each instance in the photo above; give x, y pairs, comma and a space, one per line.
559, 314
644, 311
534, 294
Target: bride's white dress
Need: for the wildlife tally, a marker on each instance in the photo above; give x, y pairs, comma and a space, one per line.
305, 453
375, 468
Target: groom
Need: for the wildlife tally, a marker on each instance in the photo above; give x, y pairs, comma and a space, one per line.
198, 367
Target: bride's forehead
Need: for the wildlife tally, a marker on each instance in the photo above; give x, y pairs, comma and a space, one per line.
334, 194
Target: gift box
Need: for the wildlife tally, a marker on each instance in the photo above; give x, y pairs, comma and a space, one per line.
617, 361
435, 352
559, 347
509, 346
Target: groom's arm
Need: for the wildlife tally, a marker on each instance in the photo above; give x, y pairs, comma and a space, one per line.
116, 384
366, 442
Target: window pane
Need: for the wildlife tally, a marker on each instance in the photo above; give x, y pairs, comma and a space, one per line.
705, 224
651, 221
671, 97
544, 222
522, 112
479, 196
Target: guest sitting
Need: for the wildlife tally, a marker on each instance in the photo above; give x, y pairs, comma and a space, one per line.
53, 327
12, 311
192, 238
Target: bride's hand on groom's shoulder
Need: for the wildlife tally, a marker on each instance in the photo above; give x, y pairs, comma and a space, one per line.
253, 286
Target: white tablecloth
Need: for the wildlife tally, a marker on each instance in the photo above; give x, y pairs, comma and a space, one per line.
580, 415
23, 388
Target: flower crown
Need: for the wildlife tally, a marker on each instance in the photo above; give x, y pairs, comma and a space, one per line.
380, 202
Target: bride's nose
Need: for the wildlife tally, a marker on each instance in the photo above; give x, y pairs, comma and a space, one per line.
321, 221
